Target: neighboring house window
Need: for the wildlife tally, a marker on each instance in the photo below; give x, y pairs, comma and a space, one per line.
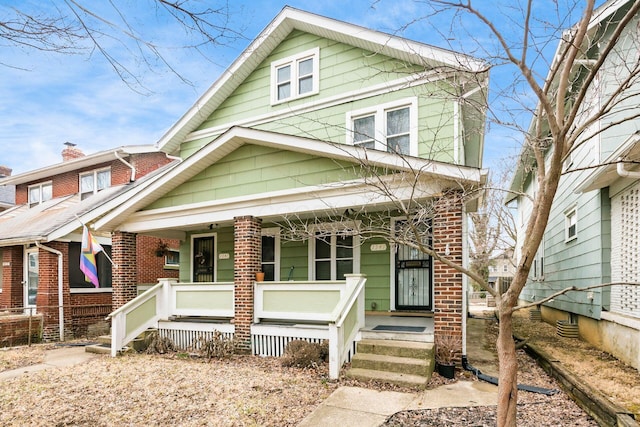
390, 127
40, 193
571, 224
76, 276
295, 77
335, 253
271, 254
172, 259
505, 269
94, 181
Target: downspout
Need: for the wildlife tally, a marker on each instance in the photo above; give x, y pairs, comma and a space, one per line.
169, 156
129, 165
60, 293
625, 173
465, 280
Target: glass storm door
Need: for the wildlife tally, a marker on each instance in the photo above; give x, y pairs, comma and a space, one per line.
413, 278
31, 278
203, 259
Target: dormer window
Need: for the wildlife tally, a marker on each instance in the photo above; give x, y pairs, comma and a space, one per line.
40, 193
295, 77
94, 181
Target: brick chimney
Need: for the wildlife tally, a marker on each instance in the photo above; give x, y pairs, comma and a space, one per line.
5, 171
70, 152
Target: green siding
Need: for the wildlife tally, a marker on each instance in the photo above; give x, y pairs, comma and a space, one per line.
253, 169
303, 301
376, 266
210, 300
139, 315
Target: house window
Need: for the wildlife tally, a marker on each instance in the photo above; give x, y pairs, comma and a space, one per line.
505, 268
335, 253
295, 77
172, 259
40, 193
94, 181
271, 254
389, 127
571, 222
76, 276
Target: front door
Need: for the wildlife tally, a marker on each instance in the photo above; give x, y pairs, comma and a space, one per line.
31, 275
203, 250
413, 274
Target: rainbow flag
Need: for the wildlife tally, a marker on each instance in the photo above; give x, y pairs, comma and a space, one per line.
90, 247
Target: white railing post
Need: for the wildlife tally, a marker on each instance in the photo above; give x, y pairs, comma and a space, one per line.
165, 301
334, 352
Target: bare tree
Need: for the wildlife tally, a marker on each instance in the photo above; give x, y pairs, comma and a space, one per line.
115, 31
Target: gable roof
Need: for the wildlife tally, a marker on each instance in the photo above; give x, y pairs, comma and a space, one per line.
290, 19
238, 136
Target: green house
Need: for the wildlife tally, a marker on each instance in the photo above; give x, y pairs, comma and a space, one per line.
334, 159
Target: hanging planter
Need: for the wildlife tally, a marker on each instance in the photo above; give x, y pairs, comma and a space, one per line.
162, 249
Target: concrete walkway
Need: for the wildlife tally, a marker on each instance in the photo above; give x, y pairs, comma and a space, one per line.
57, 358
360, 407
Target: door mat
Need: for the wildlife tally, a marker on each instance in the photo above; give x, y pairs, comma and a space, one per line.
398, 328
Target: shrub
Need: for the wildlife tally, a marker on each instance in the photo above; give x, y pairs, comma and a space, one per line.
157, 344
304, 354
217, 347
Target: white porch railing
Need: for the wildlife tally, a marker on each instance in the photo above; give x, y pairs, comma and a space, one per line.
168, 298
339, 306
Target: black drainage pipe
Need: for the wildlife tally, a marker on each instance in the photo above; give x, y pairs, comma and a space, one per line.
494, 380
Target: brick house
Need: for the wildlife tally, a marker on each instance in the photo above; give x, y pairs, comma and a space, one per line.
40, 238
320, 146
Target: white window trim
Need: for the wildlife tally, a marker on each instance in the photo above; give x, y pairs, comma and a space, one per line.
39, 185
94, 173
168, 266
333, 228
567, 217
215, 254
293, 61
275, 232
381, 122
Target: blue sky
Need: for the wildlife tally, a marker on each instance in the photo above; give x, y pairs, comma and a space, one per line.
47, 99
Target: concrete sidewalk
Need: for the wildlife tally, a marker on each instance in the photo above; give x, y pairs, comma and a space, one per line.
360, 407
57, 358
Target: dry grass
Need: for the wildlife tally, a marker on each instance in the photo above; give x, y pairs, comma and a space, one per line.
152, 390
18, 357
616, 380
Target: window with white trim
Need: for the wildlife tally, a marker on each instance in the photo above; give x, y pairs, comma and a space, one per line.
94, 181
571, 225
40, 193
295, 76
172, 259
390, 127
271, 254
335, 252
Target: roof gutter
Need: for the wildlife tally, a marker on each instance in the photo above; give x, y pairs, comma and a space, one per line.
60, 293
624, 172
129, 165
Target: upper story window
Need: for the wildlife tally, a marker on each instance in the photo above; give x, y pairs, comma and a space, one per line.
295, 77
94, 181
40, 193
390, 127
571, 225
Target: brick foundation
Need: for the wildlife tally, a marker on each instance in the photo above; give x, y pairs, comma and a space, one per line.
14, 329
247, 262
447, 238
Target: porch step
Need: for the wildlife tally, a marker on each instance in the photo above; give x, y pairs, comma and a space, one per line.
99, 348
405, 363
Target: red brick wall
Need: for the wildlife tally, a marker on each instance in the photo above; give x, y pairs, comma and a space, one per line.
69, 182
150, 266
447, 230
124, 270
247, 262
14, 329
12, 273
88, 312
47, 298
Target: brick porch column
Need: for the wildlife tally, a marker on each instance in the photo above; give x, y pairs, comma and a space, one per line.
47, 298
246, 263
12, 274
447, 239
124, 279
